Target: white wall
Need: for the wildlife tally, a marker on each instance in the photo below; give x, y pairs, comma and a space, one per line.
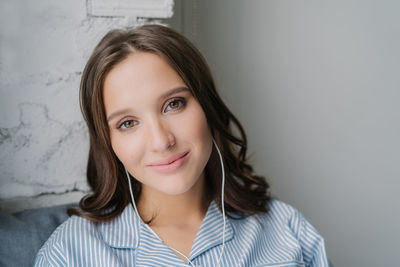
44, 46
317, 86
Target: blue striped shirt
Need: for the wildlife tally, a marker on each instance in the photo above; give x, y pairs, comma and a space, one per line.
282, 237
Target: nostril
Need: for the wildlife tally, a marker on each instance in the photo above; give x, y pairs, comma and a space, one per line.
171, 141
161, 138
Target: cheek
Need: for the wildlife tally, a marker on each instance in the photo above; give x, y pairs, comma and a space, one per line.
127, 149
197, 129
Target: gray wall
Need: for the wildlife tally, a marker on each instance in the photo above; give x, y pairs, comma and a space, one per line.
317, 86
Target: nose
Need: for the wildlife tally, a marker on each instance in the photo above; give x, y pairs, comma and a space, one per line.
161, 137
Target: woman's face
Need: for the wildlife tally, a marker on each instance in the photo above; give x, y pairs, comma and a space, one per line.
158, 130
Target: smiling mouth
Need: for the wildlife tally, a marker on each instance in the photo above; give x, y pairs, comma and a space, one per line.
170, 164
169, 160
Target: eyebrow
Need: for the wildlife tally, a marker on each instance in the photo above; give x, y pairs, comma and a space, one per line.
173, 92
163, 96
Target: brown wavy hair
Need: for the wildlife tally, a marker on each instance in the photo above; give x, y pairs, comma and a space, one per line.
245, 192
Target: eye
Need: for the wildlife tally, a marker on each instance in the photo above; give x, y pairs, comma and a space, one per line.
127, 124
175, 104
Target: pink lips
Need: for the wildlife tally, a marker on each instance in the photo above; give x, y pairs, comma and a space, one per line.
169, 164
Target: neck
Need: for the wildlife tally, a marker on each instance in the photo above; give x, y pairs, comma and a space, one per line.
182, 209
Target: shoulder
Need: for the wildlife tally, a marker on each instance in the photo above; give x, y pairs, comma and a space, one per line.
81, 242
286, 216
72, 229
286, 234
65, 238
311, 242
281, 213
281, 218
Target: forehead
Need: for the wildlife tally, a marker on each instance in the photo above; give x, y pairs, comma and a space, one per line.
140, 66
141, 77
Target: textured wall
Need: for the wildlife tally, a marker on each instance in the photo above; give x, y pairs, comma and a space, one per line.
43, 49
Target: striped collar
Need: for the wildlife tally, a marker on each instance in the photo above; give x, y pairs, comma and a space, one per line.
210, 232
125, 230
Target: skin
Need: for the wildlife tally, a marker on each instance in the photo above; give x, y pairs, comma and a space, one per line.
153, 117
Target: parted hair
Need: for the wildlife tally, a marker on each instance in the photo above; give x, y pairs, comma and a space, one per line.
245, 192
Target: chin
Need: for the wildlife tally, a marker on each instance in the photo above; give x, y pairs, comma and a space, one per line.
175, 189
175, 186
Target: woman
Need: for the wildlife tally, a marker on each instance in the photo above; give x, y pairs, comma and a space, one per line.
161, 139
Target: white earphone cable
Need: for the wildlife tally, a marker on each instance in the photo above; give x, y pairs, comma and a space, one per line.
222, 202
222, 206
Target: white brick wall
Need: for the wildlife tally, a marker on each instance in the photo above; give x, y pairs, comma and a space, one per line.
43, 48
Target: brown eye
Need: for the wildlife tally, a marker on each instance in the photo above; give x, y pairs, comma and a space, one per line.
175, 104
127, 124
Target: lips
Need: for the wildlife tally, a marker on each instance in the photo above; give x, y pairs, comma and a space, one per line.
169, 164
168, 160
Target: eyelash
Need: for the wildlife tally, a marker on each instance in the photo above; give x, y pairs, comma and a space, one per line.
120, 126
181, 102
